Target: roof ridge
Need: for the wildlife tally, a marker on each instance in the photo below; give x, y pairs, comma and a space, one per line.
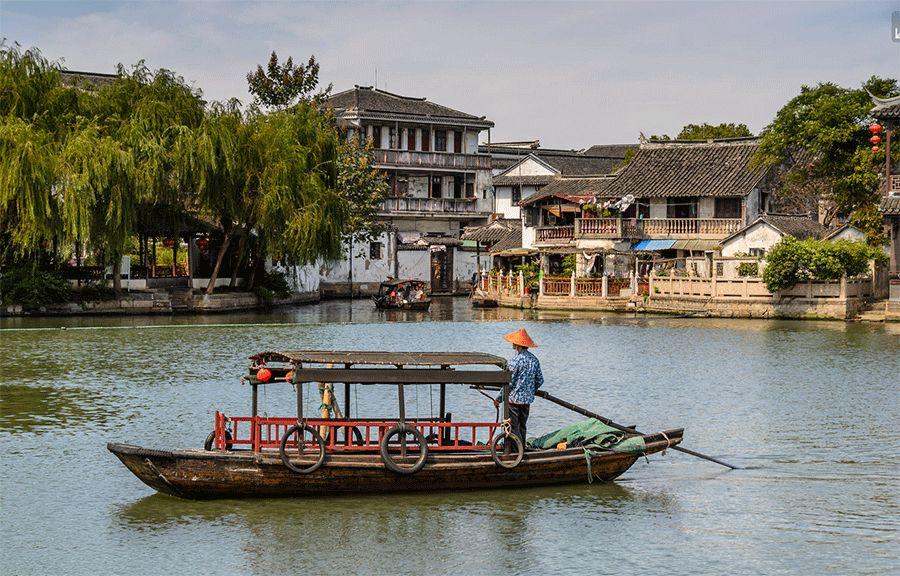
699, 143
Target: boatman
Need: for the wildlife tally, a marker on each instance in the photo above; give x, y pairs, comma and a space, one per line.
525, 378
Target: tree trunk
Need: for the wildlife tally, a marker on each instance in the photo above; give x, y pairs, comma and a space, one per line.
221, 256
117, 277
242, 247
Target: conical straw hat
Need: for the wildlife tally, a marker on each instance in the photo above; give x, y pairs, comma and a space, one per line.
521, 338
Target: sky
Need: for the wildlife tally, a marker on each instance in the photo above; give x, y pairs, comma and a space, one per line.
569, 74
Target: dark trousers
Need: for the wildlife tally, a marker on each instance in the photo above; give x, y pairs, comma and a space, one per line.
518, 417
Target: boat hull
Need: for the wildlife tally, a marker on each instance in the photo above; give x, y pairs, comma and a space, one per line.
419, 305
199, 474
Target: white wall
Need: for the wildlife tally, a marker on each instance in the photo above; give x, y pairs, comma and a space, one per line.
414, 264
528, 167
849, 233
758, 236
465, 263
365, 269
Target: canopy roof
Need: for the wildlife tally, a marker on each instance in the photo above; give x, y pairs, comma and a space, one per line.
401, 282
342, 358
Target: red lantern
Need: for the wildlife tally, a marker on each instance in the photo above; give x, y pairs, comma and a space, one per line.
169, 242
289, 376
874, 128
264, 375
202, 243
875, 149
875, 139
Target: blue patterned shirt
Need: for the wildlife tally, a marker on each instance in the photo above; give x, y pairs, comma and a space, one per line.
526, 377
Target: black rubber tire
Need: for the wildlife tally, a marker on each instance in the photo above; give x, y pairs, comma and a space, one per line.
211, 439
519, 446
358, 439
386, 454
283, 449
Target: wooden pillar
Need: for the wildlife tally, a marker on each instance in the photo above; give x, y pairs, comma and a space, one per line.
190, 260
174, 257
153, 259
299, 386
254, 410
887, 161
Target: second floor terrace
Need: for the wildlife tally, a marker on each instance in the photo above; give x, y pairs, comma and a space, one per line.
633, 228
415, 159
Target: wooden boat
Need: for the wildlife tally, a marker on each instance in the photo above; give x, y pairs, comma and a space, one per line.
481, 299
390, 297
260, 456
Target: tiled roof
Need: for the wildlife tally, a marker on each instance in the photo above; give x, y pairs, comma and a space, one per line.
574, 189
527, 180
365, 99
890, 205
598, 159
799, 226
493, 231
886, 107
702, 168
85, 79
511, 241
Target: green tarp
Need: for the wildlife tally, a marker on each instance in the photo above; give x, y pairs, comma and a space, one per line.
591, 434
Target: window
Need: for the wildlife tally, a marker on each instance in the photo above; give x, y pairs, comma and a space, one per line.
457, 141
376, 136
757, 252
436, 186
516, 193
402, 185
470, 189
440, 140
728, 208
426, 139
375, 250
457, 186
681, 207
411, 139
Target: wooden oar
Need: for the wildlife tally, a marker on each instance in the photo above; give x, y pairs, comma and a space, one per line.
608, 422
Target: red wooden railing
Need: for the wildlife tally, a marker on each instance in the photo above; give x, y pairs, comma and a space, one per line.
267, 432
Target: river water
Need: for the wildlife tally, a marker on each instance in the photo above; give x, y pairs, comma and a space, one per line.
809, 409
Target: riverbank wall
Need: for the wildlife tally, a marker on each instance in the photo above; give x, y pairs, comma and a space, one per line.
845, 299
163, 303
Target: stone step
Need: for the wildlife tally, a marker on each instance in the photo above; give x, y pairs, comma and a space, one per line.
872, 316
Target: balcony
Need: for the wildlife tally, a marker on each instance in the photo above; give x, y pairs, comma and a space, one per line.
555, 234
469, 207
657, 228
431, 160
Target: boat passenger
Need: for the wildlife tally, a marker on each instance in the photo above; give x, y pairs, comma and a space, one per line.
526, 377
420, 294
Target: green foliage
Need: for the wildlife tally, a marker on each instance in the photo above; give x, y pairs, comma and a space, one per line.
273, 284
364, 188
281, 85
530, 273
94, 293
748, 269
630, 153
713, 131
568, 264
820, 137
707, 131
793, 261
32, 287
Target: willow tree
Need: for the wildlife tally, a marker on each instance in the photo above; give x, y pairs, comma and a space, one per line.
273, 175
36, 113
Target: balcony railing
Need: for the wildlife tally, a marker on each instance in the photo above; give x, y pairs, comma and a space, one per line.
443, 160
452, 205
675, 228
555, 234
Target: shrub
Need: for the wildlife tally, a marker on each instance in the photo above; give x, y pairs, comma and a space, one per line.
748, 269
33, 288
94, 293
568, 265
792, 261
273, 284
529, 272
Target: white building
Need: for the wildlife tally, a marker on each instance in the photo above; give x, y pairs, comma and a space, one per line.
758, 237
440, 183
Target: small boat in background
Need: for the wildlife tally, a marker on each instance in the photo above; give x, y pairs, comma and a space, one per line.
402, 295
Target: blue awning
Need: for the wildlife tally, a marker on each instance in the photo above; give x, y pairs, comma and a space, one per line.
653, 245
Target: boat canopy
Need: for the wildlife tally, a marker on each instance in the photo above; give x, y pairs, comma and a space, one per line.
393, 283
356, 367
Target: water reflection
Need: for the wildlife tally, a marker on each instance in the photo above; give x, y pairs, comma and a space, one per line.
485, 531
26, 408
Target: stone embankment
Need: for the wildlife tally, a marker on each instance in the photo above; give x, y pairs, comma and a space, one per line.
162, 302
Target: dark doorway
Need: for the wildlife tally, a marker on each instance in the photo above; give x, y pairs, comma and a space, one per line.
441, 270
